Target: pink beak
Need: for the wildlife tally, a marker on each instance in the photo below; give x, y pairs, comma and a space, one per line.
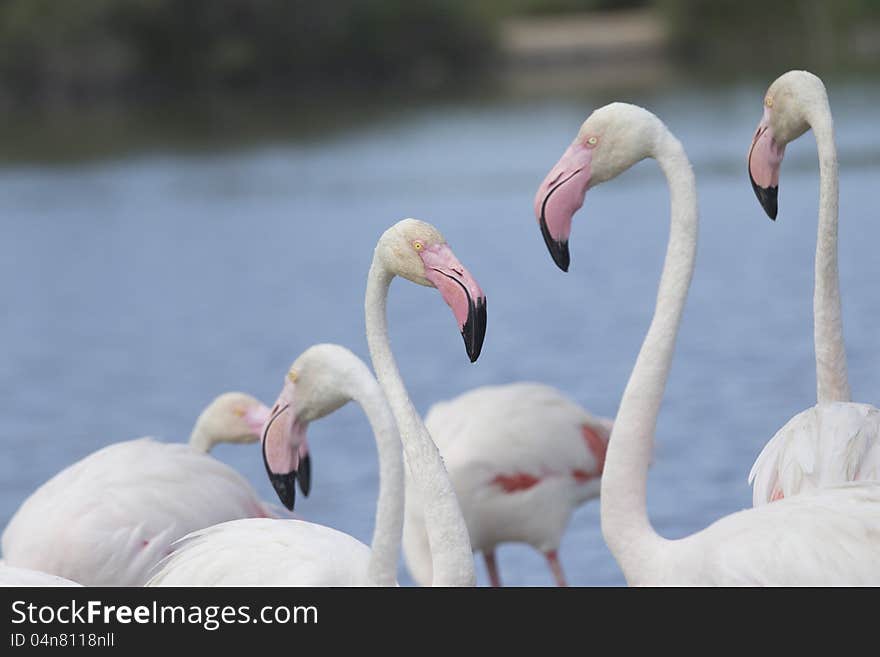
284, 444
765, 158
560, 196
460, 292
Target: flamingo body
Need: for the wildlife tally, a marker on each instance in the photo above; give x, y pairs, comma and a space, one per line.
822, 537
109, 518
266, 552
521, 458
12, 576
828, 444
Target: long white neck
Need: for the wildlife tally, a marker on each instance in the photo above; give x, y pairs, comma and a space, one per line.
831, 378
199, 440
388, 530
204, 436
451, 554
625, 523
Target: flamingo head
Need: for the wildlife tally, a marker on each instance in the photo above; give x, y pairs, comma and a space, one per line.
416, 251
315, 386
612, 139
233, 417
788, 105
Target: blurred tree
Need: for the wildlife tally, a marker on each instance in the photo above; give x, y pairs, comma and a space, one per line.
521, 7
764, 37
53, 51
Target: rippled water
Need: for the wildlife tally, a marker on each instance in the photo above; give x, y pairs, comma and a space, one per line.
136, 289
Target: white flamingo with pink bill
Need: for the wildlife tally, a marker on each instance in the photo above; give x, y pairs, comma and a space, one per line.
826, 536
298, 553
836, 440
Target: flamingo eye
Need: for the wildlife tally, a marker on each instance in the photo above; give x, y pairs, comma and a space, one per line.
768, 101
592, 141
239, 412
418, 245
292, 376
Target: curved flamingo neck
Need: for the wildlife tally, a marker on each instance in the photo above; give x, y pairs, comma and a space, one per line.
451, 554
388, 529
625, 522
832, 383
200, 441
203, 438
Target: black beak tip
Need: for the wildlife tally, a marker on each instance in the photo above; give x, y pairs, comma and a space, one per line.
768, 197
558, 250
561, 256
474, 329
285, 487
304, 474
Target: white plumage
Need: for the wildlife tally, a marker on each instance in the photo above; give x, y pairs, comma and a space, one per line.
266, 552
822, 537
824, 445
520, 462
11, 576
109, 518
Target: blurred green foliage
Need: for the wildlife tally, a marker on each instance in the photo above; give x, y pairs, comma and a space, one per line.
64, 50
58, 52
766, 36
501, 8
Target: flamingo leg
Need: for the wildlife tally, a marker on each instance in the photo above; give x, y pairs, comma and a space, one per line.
556, 567
492, 567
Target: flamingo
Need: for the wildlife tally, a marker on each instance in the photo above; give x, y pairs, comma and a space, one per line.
820, 537
521, 457
12, 576
109, 518
269, 552
289, 552
836, 440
